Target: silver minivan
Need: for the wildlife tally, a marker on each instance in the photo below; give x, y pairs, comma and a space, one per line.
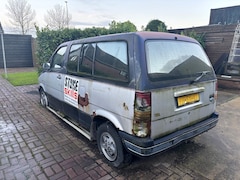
134, 93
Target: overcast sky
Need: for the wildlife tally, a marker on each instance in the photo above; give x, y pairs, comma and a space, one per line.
99, 13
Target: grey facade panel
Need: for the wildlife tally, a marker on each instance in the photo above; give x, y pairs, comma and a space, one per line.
228, 15
18, 51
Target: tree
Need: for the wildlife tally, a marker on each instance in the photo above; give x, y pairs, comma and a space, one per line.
118, 27
21, 14
156, 25
57, 18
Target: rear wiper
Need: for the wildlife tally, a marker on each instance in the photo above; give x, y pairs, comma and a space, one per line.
202, 74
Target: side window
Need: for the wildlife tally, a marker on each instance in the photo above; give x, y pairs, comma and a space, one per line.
58, 58
111, 61
74, 57
85, 64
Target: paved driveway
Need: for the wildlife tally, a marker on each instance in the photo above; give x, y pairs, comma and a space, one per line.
34, 144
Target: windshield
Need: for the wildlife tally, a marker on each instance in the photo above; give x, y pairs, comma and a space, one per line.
168, 59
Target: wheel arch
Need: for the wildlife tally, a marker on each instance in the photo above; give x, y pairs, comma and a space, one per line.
102, 116
108, 116
41, 87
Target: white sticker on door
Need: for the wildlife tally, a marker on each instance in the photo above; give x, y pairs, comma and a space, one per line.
71, 90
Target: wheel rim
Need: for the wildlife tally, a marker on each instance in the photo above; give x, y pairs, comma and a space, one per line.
43, 99
108, 146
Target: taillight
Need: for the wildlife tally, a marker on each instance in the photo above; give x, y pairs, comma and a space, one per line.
142, 114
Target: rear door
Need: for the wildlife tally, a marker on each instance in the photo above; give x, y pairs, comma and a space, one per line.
183, 85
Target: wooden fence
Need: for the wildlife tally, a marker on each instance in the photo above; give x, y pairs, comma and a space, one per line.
218, 39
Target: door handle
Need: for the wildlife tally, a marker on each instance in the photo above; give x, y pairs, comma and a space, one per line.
59, 76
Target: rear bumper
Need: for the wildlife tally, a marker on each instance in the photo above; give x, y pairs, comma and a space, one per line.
147, 146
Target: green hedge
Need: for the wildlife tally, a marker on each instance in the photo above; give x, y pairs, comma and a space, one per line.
48, 40
193, 34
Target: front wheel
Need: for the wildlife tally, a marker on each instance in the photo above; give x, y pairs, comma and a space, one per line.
110, 145
43, 98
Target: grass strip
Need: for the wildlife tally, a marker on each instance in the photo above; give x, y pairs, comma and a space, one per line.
22, 78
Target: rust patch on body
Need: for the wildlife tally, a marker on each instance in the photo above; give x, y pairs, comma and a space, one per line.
83, 101
125, 106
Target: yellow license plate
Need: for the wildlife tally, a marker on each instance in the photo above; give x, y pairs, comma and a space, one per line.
188, 99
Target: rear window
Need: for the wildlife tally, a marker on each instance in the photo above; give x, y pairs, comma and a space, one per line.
171, 59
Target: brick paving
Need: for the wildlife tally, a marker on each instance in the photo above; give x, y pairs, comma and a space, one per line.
35, 144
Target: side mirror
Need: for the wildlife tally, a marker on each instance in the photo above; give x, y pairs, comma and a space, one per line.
46, 66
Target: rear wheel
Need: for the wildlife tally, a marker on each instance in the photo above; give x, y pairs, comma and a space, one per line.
43, 98
110, 145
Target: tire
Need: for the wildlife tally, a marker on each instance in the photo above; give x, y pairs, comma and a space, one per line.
43, 98
110, 145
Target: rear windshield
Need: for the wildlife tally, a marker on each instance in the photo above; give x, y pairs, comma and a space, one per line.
171, 59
